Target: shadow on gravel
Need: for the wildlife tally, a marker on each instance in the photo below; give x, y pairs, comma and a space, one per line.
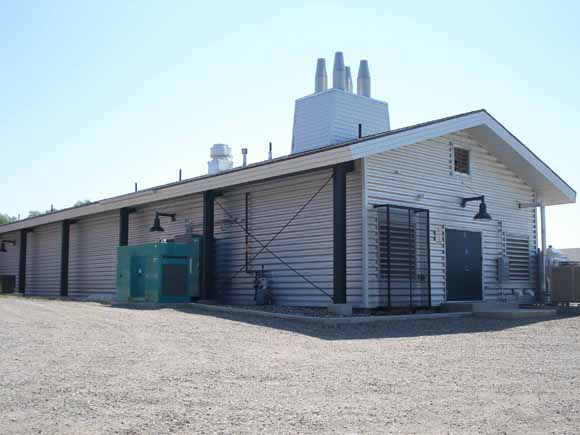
390, 329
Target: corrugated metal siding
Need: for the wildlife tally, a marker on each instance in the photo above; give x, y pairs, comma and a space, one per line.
9, 259
350, 110
306, 244
43, 261
93, 255
425, 168
186, 208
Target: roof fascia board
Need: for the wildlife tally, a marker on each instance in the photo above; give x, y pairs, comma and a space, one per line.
408, 137
227, 179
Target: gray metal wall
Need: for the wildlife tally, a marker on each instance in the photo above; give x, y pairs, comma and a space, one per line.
306, 244
9, 259
425, 169
43, 260
93, 255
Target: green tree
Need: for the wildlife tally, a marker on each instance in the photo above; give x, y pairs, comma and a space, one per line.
82, 202
6, 219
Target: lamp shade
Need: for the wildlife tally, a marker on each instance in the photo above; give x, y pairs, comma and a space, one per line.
482, 215
156, 226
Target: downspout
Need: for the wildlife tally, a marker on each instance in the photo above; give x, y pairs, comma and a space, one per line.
542, 295
365, 234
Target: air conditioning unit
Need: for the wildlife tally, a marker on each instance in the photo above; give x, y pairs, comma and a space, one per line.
566, 283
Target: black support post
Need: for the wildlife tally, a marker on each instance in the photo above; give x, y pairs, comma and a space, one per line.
22, 261
124, 226
339, 214
207, 284
64, 255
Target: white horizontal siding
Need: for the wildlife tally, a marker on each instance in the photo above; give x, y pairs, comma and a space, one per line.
9, 259
188, 208
425, 168
93, 255
306, 244
43, 261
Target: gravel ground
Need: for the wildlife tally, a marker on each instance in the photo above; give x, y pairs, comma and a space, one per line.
76, 367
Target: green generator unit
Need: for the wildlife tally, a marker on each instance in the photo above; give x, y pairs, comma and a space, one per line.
159, 272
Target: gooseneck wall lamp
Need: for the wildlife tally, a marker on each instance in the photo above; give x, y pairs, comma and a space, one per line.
3, 244
157, 223
482, 215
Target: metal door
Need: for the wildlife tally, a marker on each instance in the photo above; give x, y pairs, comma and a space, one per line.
404, 256
463, 265
138, 282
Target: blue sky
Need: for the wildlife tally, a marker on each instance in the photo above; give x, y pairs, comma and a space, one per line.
98, 95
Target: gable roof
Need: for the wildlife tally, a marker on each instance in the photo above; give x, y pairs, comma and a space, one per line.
551, 189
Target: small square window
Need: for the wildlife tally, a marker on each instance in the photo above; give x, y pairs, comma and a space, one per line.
461, 161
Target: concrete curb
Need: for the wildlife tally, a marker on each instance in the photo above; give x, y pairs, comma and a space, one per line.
326, 321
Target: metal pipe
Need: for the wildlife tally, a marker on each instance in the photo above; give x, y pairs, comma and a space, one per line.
180, 175
244, 157
359, 131
270, 151
247, 230
543, 289
411, 244
135, 186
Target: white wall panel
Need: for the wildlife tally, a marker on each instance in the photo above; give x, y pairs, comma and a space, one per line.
306, 244
421, 175
43, 261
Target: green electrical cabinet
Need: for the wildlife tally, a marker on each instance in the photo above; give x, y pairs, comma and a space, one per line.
159, 272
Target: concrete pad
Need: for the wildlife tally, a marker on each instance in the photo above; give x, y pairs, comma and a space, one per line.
474, 307
516, 314
340, 309
208, 301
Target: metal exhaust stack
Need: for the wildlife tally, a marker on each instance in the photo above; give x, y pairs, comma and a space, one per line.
339, 72
320, 80
363, 81
245, 157
348, 80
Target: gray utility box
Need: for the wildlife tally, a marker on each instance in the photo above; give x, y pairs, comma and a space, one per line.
7, 283
566, 283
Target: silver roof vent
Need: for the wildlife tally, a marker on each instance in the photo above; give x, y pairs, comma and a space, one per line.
348, 80
339, 72
320, 80
221, 159
363, 81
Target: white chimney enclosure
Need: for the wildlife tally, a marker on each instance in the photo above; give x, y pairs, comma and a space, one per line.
332, 116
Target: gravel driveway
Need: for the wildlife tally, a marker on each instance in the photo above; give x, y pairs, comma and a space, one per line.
70, 367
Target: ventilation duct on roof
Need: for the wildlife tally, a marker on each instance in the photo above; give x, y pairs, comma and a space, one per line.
320, 80
332, 116
221, 159
348, 80
339, 72
363, 80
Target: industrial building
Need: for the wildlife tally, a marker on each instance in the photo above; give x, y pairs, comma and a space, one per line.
357, 213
